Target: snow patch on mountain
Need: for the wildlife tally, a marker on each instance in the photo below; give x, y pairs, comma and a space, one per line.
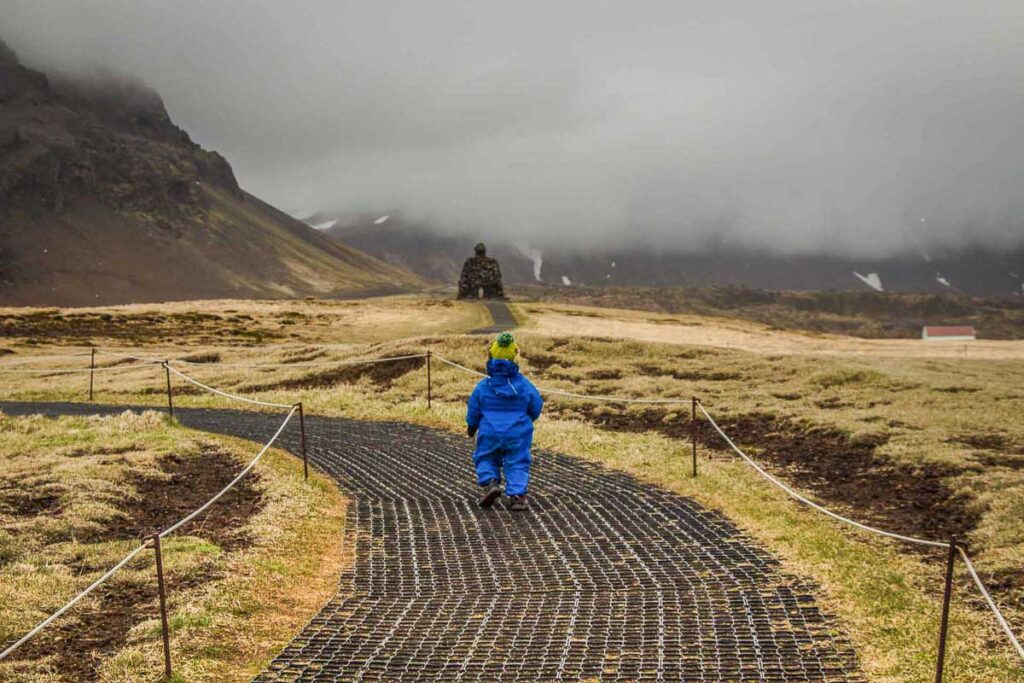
566, 281
326, 225
871, 280
535, 257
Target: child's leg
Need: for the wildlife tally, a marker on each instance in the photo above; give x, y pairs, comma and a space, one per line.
487, 460
517, 461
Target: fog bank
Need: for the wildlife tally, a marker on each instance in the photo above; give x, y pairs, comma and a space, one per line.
796, 126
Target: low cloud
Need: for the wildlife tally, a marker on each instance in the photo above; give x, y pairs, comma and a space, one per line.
794, 126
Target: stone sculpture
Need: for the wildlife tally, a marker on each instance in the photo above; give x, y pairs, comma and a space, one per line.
481, 277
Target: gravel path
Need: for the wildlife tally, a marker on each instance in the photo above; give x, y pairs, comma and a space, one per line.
606, 578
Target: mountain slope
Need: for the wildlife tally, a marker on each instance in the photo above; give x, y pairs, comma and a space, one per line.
104, 200
433, 256
428, 252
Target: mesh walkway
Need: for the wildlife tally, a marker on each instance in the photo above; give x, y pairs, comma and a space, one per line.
606, 578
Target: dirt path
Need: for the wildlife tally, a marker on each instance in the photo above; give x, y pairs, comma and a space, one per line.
501, 318
606, 578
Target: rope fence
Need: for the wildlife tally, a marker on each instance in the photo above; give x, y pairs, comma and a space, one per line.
33, 359
948, 545
233, 397
310, 364
991, 603
68, 371
953, 546
154, 540
248, 468
569, 394
806, 501
71, 603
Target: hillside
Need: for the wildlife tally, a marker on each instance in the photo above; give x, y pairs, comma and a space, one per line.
103, 199
431, 253
418, 248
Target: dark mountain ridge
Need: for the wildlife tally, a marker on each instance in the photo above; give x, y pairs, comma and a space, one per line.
436, 256
103, 199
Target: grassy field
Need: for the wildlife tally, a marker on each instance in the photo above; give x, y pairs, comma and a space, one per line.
238, 322
915, 438
865, 314
76, 494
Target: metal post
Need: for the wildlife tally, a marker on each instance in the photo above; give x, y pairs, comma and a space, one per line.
430, 384
302, 432
163, 605
693, 432
946, 596
170, 400
92, 371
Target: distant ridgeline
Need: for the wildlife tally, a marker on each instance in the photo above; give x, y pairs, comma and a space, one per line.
435, 256
104, 200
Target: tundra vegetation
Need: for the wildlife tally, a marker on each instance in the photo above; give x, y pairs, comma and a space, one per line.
78, 493
917, 438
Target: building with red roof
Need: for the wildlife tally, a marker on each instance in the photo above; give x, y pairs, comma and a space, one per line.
948, 333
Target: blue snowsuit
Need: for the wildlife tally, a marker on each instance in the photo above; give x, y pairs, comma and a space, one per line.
504, 406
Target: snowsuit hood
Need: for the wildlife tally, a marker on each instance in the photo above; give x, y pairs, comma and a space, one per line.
500, 373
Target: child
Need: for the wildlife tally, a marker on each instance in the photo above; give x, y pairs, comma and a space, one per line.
503, 407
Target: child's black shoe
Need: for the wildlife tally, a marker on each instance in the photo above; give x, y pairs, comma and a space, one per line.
517, 503
489, 493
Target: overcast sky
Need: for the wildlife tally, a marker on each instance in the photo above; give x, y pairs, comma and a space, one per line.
793, 124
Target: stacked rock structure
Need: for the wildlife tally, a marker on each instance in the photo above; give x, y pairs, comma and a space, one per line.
481, 277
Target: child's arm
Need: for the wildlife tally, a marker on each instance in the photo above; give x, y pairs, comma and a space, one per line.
473, 413
535, 404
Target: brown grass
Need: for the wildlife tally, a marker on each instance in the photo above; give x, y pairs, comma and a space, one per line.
234, 323
954, 416
237, 593
559, 320
865, 314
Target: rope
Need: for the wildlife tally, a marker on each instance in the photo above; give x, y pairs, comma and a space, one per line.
910, 539
115, 354
74, 601
312, 364
47, 371
24, 360
614, 399
991, 603
225, 394
460, 367
163, 534
559, 392
170, 530
32, 359
811, 503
